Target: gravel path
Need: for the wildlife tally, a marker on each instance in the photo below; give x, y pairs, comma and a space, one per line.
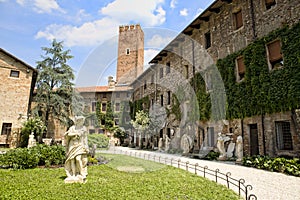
266, 185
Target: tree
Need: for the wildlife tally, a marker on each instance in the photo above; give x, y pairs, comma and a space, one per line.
55, 95
141, 123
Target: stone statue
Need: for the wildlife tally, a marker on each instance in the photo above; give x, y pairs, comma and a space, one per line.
167, 143
186, 144
160, 144
239, 149
76, 153
221, 147
230, 150
31, 140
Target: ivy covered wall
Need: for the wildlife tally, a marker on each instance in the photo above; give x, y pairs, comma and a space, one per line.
263, 90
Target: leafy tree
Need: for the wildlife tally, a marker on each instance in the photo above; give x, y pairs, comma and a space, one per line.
121, 134
35, 125
141, 123
55, 95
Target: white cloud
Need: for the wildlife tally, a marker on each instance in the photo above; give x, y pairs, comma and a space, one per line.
89, 34
148, 13
149, 55
173, 3
41, 6
21, 2
183, 12
158, 41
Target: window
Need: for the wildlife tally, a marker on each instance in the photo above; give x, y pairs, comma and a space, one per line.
94, 103
186, 71
238, 18
92, 122
6, 128
104, 95
127, 51
152, 103
145, 85
102, 122
162, 100
116, 122
152, 78
274, 54
14, 73
270, 3
240, 68
104, 107
117, 95
169, 97
211, 136
161, 72
284, 136
117, 108
207, 40
168, 70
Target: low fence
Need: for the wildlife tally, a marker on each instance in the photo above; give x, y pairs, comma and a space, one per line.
238, 185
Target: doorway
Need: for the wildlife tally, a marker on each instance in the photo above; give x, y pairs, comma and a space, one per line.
254, 150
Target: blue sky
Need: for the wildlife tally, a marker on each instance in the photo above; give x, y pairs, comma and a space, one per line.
88, 27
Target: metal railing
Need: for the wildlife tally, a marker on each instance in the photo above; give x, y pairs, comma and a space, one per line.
239, 185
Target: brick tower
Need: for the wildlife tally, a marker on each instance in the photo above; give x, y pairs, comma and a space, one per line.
130, 53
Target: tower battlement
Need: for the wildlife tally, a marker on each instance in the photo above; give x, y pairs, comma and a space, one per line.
123, 28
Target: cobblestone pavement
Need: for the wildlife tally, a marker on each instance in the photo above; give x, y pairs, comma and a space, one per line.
266, 185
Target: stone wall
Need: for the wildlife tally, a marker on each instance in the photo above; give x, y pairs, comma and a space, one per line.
187, 55
15, 93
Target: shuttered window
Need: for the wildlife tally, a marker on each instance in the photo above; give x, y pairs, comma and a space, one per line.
274, 54
238, 19
241, 69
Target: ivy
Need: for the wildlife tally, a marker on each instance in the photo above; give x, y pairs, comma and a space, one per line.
262, 90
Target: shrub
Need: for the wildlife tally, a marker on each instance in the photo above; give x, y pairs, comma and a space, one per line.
283, 165
20, 158
212, 155
98, 139
23, 158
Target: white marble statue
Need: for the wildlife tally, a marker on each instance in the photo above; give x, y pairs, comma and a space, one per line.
167, 143
160, 144
77, 151
31, 140
221, 147
239, 149
186, 144
230, 150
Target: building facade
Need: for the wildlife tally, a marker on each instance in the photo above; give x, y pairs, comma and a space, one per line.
234, 71
116, 95
16, 89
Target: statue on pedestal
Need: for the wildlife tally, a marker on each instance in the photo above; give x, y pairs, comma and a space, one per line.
77, 151
221, 147
167, 143
31, 140
160, 144
239, 149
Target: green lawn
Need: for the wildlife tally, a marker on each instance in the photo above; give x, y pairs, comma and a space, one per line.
154, 181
